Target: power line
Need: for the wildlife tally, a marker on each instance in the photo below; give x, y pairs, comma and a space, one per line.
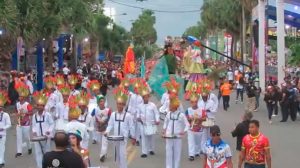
156, 10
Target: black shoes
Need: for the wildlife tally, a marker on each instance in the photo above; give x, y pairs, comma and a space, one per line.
191, 158
152, 153
197, 155
29, 151
17, 155
143, 156
137, 143
2, 165
102, 159
94, 142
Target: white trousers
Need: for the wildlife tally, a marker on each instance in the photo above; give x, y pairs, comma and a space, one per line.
147, 142
195, 142
2, 148
95, 135
23, 133
121, 153
137, 135
40, 149
103, 143
173, 153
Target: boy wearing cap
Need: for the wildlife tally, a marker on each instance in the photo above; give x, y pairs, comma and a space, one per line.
5, 123
24, 113
102, 116
148, 116
196, 137
217, 153
175, 126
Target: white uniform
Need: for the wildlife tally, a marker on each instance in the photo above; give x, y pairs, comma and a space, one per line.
174, 124
134, 101
88, 121
74, 93
149, 115
52, 102
210, 108
41, 124
122, 125
60, 98
75, 125
62, 114
5, 123
196, 135
23, 130
165, 103
103, 116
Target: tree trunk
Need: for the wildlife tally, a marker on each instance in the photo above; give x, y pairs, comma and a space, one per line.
243, 46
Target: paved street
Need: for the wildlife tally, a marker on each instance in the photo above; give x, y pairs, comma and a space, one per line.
284, 138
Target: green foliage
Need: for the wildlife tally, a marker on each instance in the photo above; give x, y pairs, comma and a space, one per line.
295, 57
143, 31
199, 30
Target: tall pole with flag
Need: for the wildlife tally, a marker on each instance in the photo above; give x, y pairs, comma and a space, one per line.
143, 68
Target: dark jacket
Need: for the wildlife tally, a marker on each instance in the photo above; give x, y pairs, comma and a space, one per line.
240, 131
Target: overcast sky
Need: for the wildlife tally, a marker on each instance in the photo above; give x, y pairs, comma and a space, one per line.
173, 24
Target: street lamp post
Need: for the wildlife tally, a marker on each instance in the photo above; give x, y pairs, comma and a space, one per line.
261, 46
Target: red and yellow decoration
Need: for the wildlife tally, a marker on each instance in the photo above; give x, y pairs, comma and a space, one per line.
129, 62
73, 79
40, 97
125, 82
205, 86
50, 82
121, 95
83, 98
3, 98
93, 85
60, 80
172, 86
22, 89
64, 89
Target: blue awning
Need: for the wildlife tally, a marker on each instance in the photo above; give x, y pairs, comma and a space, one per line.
290, 18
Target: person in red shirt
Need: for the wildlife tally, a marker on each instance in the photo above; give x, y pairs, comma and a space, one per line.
255, 149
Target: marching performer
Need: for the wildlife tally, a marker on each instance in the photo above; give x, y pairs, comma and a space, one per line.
53, 99
148, 116
175, 126
121, 122
195, 116
73, 80
101, 120
59, 81
134, 100
208, 105
85, 118
94, 88
74, 124
42, 127
24, 113
5, 123
172, 88
63, 108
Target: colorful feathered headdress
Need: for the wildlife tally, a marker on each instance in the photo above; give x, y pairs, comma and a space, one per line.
144, 90
60, 80
172, 86
83, 98
22, 89
205, 86
93, 85
40, 97
50, 82
3, 98
125, 82
64, 89
121, 95
174, 101
73, 79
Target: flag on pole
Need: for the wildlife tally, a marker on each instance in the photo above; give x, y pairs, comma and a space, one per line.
129, 62
143, 68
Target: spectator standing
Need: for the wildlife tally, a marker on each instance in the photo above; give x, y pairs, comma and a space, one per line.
241, 130
251, 92
61, 157
226, 91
